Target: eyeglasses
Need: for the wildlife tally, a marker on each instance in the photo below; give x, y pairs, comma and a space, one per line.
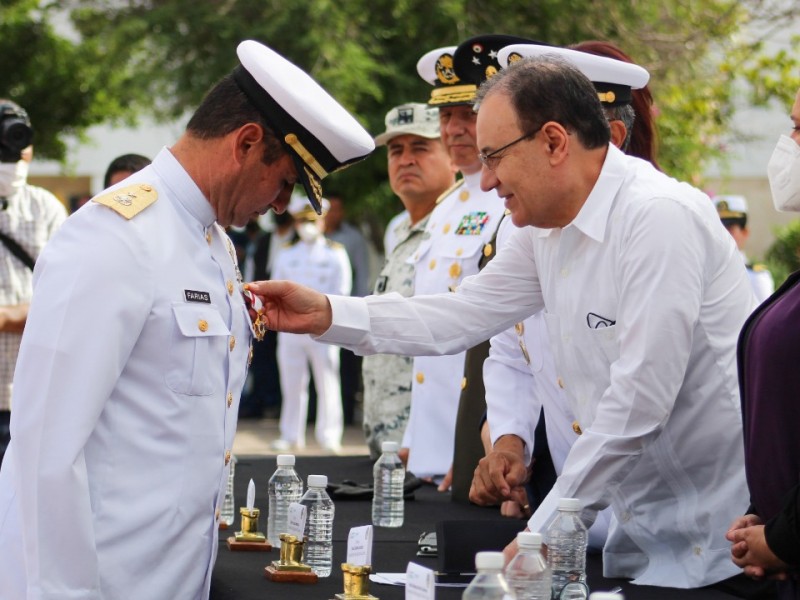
491, 160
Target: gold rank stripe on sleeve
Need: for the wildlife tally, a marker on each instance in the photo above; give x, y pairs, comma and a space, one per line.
130, 200
449, 190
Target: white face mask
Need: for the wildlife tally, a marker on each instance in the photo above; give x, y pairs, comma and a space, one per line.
12, 177
783, 172
308, 231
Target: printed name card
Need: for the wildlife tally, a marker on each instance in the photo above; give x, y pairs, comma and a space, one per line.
359, 546
420, 584
297, 520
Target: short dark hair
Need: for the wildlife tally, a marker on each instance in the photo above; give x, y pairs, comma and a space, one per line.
127, 162
225, 108
549, 89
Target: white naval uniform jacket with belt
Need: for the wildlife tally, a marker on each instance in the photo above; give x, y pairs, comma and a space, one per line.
126, 397
457, 231
645, 295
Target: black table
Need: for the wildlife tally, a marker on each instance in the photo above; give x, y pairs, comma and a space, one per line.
240, 575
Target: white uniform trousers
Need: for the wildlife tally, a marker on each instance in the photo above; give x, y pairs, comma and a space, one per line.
295, 352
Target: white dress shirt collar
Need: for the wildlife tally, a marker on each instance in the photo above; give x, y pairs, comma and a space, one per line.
183, 188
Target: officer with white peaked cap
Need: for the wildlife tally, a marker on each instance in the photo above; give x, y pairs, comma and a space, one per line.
732, 211
136, 347
323, 265
460, 231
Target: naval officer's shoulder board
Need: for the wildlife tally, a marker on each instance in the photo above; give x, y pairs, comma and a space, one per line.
130, 200
450, 190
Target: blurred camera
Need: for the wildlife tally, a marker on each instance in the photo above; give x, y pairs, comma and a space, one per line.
16, 133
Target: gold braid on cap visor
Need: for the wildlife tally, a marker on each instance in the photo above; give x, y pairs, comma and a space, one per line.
456, 93
307, 157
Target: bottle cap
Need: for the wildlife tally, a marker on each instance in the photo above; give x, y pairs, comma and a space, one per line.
285, 460
569, 504
390, 447
528, 539
317, 481
489, 560
605, 596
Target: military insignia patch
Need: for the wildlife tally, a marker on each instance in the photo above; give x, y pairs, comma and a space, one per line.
130, 200
472, 223
444, 70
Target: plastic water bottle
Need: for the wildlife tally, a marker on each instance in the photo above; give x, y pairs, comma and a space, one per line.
284, 487
389, 474
488, 583
528, 574
227, 514
319, 526
566, 551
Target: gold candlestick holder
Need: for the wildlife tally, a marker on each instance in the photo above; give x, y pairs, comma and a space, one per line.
249, 538
290, 566
356, 583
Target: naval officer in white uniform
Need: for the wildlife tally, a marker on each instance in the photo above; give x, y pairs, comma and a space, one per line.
463, 221
323, 265
135, 350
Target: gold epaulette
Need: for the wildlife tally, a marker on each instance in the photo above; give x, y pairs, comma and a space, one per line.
333, 244
450, 190
130, 200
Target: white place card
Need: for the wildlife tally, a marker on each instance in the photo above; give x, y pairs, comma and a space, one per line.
359, 546
297, 521
420, 583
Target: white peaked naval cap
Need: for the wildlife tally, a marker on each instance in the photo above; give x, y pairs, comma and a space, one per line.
614, 79
319, 134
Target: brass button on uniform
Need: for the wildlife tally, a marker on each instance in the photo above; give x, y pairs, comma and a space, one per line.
519, 328
560, 383
202, 325
420, 378
230, 399
459, 252
463, 195
463, 383
432, 264
233, 342
227, 456
576, 428
229, 285
487, 250
446, 228
146, 188
455, 270
208, 237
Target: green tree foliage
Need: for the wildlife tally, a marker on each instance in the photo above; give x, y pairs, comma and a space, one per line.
158, 57
783, 256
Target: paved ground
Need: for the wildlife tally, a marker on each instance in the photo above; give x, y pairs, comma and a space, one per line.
254, 436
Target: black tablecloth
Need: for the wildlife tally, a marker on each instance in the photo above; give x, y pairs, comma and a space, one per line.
240, 575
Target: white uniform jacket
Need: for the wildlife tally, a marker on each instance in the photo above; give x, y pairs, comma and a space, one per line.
645, 295
457, 231
126, 395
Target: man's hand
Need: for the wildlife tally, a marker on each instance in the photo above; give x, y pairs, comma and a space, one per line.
447, 482
292, 307
500, 474
749, 549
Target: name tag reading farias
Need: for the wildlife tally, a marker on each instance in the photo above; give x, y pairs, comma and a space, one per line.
195, 296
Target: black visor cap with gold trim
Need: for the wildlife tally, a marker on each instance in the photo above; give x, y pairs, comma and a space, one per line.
475, 59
